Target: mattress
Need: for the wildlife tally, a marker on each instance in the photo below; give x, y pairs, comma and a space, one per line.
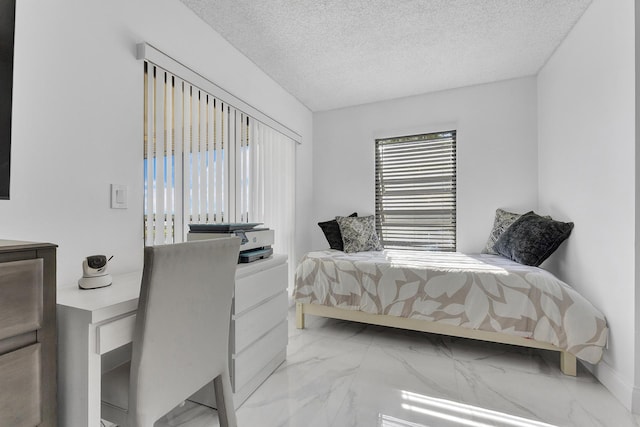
479, 291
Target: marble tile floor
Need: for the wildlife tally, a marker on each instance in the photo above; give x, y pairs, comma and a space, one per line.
343, 374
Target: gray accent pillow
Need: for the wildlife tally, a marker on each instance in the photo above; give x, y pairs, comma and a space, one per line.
532, 238
359, 234
502, 221
331, 231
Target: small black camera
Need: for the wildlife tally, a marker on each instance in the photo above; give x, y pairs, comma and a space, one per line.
96, 261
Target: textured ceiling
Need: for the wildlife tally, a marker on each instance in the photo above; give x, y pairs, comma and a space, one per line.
337, 53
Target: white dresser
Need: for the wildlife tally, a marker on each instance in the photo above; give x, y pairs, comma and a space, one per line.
259, 333
93, 323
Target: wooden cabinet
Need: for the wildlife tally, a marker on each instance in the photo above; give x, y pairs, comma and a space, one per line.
27, 334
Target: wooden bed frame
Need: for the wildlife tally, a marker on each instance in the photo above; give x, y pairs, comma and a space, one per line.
567, 360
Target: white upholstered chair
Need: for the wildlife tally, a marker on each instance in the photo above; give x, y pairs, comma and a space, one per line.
181, 334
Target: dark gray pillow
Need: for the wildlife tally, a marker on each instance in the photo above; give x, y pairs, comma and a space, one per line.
532, 238
331, 231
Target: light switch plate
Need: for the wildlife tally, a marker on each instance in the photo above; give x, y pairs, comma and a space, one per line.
118, 196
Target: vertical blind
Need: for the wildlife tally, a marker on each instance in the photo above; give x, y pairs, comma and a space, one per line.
416, 191
187, 141
271, 196
208, 162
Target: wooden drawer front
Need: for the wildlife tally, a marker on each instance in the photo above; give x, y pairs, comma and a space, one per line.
255, 288
254, 323
20, 297
20, 404
249, 362
8, 345
115, 334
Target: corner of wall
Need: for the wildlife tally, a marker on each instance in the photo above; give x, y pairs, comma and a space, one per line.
569, 130
627, 394
635, 400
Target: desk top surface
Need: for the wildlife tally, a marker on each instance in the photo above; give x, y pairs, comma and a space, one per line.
122, 296
119, 298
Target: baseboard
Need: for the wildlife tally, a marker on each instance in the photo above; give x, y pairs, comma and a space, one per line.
626, 393
635, 400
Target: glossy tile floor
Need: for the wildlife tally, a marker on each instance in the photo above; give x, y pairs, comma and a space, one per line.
342, 374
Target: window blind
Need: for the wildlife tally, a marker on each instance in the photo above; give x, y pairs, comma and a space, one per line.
188, 145
416, 191
271, 189
208, 162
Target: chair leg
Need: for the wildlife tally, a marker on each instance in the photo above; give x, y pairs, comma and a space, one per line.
224, 401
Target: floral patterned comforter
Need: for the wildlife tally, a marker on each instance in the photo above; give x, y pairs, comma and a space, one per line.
485, 292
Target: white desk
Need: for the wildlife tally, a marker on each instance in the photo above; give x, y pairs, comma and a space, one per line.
94, 322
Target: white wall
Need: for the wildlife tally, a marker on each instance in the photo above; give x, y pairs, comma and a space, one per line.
635, 404
586, 113
78, 116
496, 152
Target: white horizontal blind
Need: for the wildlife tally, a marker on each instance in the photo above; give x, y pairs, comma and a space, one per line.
187, 140
416, 191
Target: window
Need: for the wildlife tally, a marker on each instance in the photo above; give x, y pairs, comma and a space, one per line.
416, 191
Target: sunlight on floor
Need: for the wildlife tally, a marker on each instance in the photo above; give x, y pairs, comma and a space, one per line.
454, 412
389, 421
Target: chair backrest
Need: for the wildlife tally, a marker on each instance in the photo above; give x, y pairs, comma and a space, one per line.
181, 335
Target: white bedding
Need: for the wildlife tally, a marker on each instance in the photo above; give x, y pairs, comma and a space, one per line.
484, 292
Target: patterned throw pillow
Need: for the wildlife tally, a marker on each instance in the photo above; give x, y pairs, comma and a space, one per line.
331, 231
359, 234
532, 238
502, 221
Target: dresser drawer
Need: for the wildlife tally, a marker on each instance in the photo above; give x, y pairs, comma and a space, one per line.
20, 297
252, 359
253, 289
20, 404
115, 334
254, 323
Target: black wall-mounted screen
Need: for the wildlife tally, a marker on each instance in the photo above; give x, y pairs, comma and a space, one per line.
7, 30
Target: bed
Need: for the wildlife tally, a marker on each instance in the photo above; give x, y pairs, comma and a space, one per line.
485, 297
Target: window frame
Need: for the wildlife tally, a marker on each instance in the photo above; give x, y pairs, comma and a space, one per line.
402, 179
